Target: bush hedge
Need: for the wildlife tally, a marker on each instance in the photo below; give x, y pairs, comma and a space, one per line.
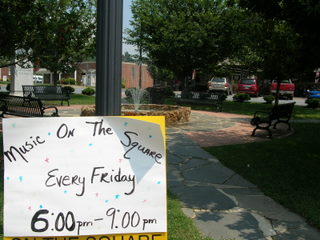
268, 98
88, 91
70, 81
241, 97
313, 103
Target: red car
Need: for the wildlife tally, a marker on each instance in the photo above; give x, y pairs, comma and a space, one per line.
249, 86
286, 88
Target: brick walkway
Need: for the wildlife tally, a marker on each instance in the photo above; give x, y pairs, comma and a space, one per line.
216, 129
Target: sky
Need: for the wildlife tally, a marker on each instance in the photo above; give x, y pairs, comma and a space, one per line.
126, 18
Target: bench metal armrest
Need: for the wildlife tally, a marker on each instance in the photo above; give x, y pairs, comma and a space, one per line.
56, 114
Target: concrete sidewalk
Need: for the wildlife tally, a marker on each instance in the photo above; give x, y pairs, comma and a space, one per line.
221, 203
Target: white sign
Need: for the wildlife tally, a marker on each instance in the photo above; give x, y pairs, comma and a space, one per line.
83, 176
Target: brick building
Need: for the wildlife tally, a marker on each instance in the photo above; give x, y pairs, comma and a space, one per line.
85, 74
5, 74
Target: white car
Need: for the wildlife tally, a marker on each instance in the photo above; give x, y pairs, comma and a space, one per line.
220, 84
37, 79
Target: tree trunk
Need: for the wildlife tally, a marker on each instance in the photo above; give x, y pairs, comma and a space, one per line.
55, 78
276, 102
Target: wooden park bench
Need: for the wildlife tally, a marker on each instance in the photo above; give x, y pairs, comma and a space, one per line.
49, 93
209, 99
24, 107
280, 113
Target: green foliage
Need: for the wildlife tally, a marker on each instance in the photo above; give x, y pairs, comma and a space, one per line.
161, 74
184, 35
88, 91
313, 103
159, 94
52, 34
8, 87
241, 97
16, 19
70, 81
68, 89
268, 98
301, 16
127, 57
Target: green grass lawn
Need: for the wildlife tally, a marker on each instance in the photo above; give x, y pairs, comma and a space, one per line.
228, 106
247, 108
75, 99
286, 169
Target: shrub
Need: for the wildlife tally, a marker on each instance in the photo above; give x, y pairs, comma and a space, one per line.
68, 89
168, 92
127, 92
222, 95
241, 97
186, 93
70, 81
88, 91
313, 103
8, 87
268, 98
159, 94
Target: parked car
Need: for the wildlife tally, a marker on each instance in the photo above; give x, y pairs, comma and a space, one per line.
220, 84
37, 79
249, 86
313, 94
287, 88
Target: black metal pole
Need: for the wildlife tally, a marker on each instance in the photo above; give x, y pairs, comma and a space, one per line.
109, 52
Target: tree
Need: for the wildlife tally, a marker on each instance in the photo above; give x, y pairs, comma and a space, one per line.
17, 18
302, 16
127, 57
65, 35
52, 34
182, 35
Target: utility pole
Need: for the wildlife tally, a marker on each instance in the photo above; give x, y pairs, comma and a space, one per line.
109, 52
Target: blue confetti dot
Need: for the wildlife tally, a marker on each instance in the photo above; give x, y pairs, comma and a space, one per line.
8, 178
13, 125
65, 191
49, 133
106, 201
40, 206
126, 123
90, 144
20, 178
150, 136
117, 196
159, 182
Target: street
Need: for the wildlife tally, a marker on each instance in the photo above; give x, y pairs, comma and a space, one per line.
300, 101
